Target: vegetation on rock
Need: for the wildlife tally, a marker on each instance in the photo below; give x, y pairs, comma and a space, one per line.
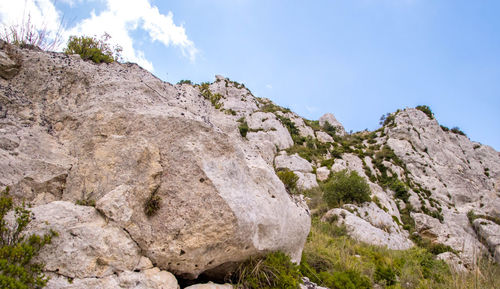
345, 187
91, 48
289, 179
17, 250
275, 270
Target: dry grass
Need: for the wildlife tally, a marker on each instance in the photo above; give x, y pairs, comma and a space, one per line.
27, 35
415, 268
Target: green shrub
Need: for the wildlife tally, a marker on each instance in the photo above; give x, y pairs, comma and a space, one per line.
387, 119
400, 189
445, 128
289, 179
344, 187
328, 163
385, 274
243, 128
17, 250
425, 109
214, 98
183, 81
275, 270
86, 202
292, 129
329, 129
152, 204
90, 48
456, 130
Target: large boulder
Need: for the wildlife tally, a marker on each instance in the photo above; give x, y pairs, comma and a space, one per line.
371, 225
115, 135
293, 162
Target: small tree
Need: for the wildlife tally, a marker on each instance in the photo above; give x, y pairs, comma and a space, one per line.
344, 187
17, 250
90, 48
425, 109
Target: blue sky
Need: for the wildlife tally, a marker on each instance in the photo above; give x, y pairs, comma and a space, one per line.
357, 59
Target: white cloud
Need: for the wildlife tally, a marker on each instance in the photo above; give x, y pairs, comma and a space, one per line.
40, 13
119, 19
269, 86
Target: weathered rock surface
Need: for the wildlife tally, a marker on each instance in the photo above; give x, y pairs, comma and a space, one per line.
453, 261
304, 129
306, 181
8, 66
148, 279
307, 284
460, 176
87, 246
323, 137
377, 228
210, 285
323, 173
293, 163
268, 128
489, 233
115, 134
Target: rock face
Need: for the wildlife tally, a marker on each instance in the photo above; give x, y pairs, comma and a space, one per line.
330, 118
323, 137
116, 135
490, 234
371, 225
8, 66
293, 163
323, 173
457, 175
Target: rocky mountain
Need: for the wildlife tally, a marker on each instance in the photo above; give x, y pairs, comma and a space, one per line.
147, 182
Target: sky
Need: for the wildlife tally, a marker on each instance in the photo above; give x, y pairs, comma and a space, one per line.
357, 59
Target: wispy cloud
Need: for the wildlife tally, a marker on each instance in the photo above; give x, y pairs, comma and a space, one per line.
41, 13
269, 86
119, 19
311, 108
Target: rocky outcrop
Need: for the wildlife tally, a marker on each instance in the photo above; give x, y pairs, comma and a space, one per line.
457, 175
330, 118
306, 181
371, 225
489, 233
293, 163
115, 135
323, 137
9, 67
322, 173
266, 127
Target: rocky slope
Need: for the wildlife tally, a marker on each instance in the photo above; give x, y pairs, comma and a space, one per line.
112, 136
